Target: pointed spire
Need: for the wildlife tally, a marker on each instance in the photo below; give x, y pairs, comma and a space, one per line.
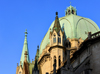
37, 53
57, 27
35, 66
25, 48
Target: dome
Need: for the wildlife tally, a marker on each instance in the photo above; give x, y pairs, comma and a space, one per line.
74, 27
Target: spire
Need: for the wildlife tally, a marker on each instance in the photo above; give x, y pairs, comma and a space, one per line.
35, 66
57, 27
37, 53
25, 49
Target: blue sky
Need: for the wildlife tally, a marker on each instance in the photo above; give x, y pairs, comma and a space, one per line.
36, 16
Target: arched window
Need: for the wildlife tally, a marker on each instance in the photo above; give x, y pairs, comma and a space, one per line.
72, 11
59, 61
54, 59
69, 12
59, 40
54, 39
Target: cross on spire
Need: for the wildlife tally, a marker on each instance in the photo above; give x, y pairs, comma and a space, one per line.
70, 3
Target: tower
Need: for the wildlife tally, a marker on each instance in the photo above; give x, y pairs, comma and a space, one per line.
23, 68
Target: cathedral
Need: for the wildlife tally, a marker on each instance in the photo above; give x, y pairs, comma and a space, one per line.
70, 46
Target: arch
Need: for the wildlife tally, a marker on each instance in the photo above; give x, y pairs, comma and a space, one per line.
68, 12
73, 11
78, 24
55, 59
59, 59
69, 23
47, 73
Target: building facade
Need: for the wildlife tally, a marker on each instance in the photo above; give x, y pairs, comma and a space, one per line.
66, 48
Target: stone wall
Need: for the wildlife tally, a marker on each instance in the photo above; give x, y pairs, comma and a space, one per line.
95, 58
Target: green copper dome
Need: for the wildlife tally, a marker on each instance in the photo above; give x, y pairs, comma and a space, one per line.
74, 27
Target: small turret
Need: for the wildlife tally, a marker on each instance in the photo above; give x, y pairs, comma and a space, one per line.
70, 10
35, 69
37, 53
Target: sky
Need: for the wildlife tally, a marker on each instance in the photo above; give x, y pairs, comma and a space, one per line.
36, 16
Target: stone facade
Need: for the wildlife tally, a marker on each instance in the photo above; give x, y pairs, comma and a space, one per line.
85, 60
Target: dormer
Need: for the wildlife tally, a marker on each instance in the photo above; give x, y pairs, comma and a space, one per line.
56, 36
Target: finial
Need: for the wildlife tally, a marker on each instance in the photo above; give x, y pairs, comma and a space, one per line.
35, 58
38, 47
17, 64
70, 3
26, 33
56, 13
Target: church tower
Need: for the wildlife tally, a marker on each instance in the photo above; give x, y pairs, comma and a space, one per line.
67, 32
